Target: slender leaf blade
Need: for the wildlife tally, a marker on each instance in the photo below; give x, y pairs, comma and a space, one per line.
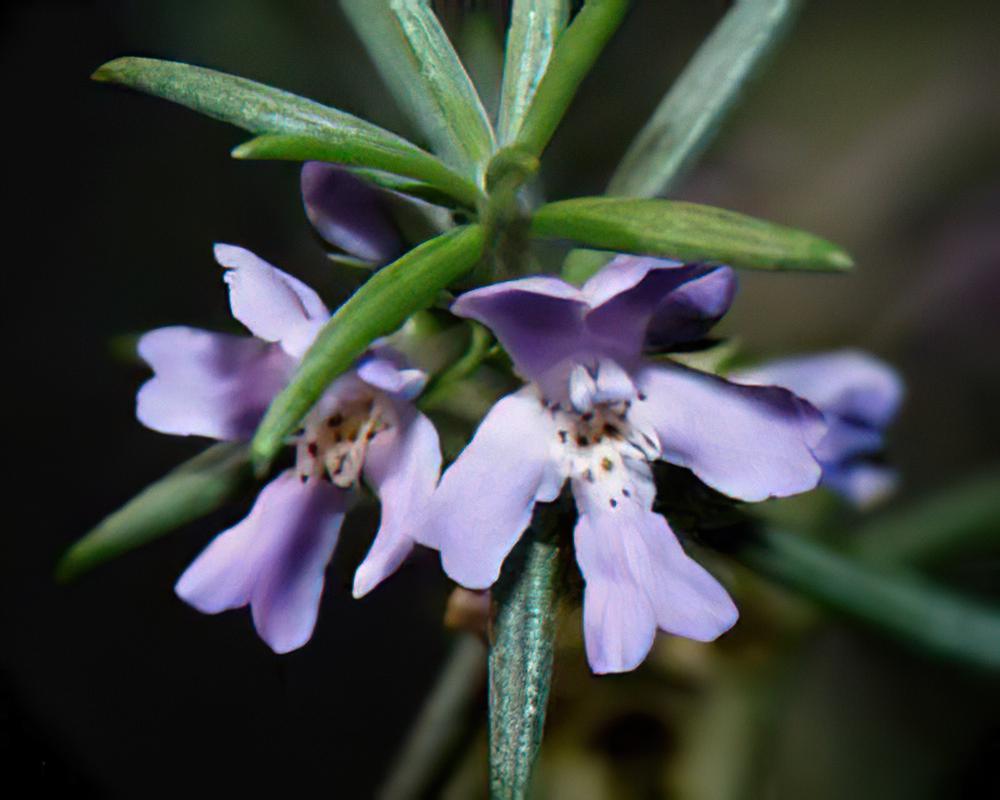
685, 231
192, 490
378, 308
575, 53
418, 63
351, 151
960, 518
899, 603
244, 103
690, 114
535, 26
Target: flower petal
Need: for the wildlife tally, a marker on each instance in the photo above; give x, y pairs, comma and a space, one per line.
486, 498
624, 296
348, 213
403, 464
692, 309
638, 578
275, 306
862, 484
848, 383
749, 442
275, 560
208, 384
539, 321
385, 374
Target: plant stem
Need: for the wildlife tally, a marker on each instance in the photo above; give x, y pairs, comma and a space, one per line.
523, 631
442, 726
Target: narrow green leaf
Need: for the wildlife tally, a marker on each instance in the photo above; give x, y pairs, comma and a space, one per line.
575, 53
192, 490
526, 597
346, 149
378, 308
415, 189
419, 64
535, 25
899, 603
249, 105
685, 231
689, 115
956, 519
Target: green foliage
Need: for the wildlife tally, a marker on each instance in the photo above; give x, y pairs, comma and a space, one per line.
685, 231
390, 296
190, 491
535, 26
351, 151
899, 603
424, 74
575, 53
689, 115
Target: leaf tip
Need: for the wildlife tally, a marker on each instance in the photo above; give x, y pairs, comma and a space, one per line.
839, 259
68, 568
110, 71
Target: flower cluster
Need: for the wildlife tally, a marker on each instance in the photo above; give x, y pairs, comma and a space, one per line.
595, 413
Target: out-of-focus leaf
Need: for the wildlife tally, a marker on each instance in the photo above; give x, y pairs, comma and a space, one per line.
575, 52
347, 149
378, 308
901, 604
249, 105
479, 48
192, 490
685, 231
690, 113
964, 517
535, 25
424, 74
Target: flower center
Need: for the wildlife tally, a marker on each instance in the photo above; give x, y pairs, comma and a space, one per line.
333, 444
604, 452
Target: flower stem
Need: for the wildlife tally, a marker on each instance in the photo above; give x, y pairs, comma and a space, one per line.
522, 636
442, 728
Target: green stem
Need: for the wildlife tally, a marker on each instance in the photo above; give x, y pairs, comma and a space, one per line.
441, 729
480, 347
523, 632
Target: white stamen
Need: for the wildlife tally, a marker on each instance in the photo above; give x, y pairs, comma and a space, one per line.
336, 441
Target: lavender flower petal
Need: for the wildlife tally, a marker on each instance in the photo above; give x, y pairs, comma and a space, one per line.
275, 306
274, 560
689, 312
403, 464
208, 384
749, 442
639, 578
485, 499
348, 213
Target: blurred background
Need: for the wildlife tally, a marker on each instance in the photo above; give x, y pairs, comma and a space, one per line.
876, 126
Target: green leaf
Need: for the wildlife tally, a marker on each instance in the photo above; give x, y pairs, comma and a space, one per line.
535, 25
378, 308
690, 113
901, 604
349, 150
962, 518
685, 231
418, 63
249, 105
575, 53
418, 190
526, 598
192, 490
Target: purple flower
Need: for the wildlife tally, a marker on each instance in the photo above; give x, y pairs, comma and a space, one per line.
349, 213
859, 396
218, 385
597, 414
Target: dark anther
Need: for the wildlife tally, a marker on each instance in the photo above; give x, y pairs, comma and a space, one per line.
299, 432
370, 435
626, 493
588, 476
313, 449
335, 420
563, 436
614, 503
642, 396
303, 478
588, 416
606, 464
581, 441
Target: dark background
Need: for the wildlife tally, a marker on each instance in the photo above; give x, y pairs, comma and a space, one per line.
876, 126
